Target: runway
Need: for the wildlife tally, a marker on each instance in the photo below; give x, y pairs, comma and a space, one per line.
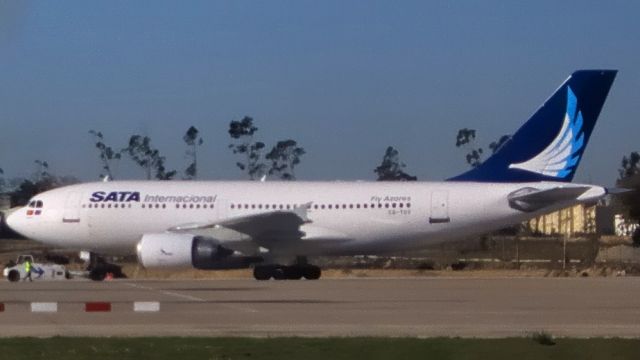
421, 307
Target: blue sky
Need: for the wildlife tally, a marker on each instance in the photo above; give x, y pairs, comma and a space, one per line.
343, 78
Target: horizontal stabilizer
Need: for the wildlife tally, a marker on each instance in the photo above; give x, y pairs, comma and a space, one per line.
530, 199
618, 191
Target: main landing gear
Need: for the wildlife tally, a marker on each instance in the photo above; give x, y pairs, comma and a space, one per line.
298, 270
98, 268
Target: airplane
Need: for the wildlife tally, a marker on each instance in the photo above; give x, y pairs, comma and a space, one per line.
275, 226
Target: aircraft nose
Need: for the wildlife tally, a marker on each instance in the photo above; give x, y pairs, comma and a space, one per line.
12, 220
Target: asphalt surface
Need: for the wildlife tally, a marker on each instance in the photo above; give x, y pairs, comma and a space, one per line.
420, 307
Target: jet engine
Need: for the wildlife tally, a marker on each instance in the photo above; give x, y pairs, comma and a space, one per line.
186, 250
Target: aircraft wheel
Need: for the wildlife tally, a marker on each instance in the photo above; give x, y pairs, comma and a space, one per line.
262, 272
279, 273
14, 275
293, 272
312, 272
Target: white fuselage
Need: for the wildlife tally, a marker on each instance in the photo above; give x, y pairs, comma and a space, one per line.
343, 217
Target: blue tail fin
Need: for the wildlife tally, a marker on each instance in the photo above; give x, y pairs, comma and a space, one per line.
549, 146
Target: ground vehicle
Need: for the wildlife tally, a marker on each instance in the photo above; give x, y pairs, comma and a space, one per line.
40, 271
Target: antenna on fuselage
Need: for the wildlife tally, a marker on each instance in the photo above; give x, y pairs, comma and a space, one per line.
263, 178
106, 178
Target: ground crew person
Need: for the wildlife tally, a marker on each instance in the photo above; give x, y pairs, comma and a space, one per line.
27, 269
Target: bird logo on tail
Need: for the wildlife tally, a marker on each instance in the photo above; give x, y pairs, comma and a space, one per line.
563, 153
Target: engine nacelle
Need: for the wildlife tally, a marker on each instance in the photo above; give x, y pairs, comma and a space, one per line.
184, 250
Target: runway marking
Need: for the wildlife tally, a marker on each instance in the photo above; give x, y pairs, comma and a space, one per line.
44, 307
97, 307
166, 292
190, 297
146, 306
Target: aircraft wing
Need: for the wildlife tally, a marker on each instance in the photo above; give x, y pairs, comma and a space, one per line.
283, 225
531, 199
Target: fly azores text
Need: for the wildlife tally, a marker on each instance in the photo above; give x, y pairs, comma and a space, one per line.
134, 196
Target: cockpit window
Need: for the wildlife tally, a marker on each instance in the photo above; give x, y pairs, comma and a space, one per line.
35, 204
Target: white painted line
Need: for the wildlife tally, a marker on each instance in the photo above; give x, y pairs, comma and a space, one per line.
189, 297
44, 307
146, 306
169, 293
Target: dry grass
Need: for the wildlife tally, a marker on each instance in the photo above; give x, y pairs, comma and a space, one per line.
136, 272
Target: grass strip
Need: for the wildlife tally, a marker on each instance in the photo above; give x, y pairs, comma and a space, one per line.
176, 348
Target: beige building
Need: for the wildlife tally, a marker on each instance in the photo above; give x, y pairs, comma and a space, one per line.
579, 219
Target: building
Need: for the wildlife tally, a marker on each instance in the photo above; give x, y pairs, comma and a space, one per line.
579, 219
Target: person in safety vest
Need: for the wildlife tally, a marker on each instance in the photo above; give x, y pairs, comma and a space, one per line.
27, 269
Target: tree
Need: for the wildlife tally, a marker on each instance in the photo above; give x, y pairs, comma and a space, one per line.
629, 165
466, 139
497, 145
43, 180
284, 157
193, 140
42, 171
243, 131
391, 168
143, 154
107, 154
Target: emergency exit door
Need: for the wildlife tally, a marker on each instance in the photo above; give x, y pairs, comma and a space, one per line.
439, 207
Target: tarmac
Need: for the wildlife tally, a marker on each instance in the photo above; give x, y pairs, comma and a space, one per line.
415, 307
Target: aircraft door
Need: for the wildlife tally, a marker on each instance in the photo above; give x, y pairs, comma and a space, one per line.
71, 213
439, 207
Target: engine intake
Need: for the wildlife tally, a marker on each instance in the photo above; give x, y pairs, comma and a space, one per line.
185, 250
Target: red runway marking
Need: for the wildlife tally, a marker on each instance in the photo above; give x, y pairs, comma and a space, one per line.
97, 307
